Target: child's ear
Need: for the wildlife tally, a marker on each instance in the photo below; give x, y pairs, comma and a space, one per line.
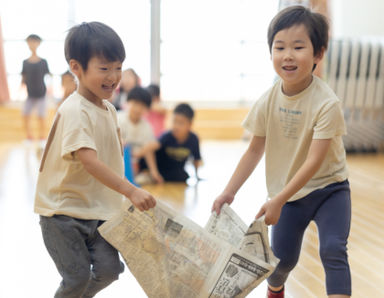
75, 67
320, 55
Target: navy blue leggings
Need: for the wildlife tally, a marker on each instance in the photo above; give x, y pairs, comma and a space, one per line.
330, 208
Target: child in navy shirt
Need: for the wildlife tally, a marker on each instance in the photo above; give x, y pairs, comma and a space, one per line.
176, 146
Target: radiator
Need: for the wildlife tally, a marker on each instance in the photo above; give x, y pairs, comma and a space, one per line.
355, 71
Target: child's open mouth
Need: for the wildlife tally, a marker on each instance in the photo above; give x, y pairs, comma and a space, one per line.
108, 88
290, 68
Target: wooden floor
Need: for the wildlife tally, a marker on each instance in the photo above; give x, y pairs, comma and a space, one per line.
27, 271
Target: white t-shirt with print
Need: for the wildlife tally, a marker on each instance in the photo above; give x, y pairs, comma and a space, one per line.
289, 124
64, 186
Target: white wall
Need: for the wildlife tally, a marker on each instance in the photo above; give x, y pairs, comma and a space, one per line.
355, 18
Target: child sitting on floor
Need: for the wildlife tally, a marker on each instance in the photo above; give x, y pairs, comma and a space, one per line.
176, 146
137, 133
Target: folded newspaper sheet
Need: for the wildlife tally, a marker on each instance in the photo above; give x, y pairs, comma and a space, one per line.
173, 257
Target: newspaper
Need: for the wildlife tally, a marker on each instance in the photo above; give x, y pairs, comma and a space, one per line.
253, 239
173, 257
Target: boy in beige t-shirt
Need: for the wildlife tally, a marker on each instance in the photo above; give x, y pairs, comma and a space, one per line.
299, 124
81, 182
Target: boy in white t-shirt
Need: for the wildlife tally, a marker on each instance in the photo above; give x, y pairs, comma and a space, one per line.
299, 124
81, 184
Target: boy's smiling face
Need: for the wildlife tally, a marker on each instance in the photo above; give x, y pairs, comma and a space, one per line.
99, 80
293, 58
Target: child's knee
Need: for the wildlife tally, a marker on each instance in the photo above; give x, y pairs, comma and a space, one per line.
333, 251
280, 275
287, 264
288, 258
110, 271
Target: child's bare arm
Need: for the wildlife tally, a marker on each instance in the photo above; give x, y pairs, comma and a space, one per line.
197, 164
148, 148
150, 159
245, 167
316, 155
140, 198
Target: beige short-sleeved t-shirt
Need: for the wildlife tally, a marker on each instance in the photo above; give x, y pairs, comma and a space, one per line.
289, 124
135, 135
64, 186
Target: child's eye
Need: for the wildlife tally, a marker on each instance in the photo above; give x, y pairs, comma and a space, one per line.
299, 48
103, 68
279, 48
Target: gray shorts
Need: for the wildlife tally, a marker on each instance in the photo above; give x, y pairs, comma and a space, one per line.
86, 262
39, 103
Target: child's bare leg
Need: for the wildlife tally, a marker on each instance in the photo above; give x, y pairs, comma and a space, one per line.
339, 296
41, 128
41, 112
27, 126
276, 289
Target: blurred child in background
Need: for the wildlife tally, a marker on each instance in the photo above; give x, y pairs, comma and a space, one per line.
33, 73
129, 80
176, 146
157, 113
137, 133
68, 83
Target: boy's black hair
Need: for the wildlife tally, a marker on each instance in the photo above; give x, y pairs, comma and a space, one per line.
34, 37
185, 110
316, 24
141, 95
87, 40
154, 90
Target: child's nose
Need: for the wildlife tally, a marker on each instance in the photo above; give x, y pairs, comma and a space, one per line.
113, 76
288, 54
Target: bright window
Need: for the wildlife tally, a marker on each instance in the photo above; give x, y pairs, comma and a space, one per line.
51, 20
211, 51
215, 50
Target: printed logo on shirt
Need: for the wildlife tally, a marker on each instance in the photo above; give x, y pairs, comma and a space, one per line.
178, 153
290, 121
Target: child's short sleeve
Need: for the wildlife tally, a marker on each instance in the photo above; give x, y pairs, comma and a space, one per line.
255, 122
45, 67
78, 132
195, 150
330, 122
164, 138
23, 68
